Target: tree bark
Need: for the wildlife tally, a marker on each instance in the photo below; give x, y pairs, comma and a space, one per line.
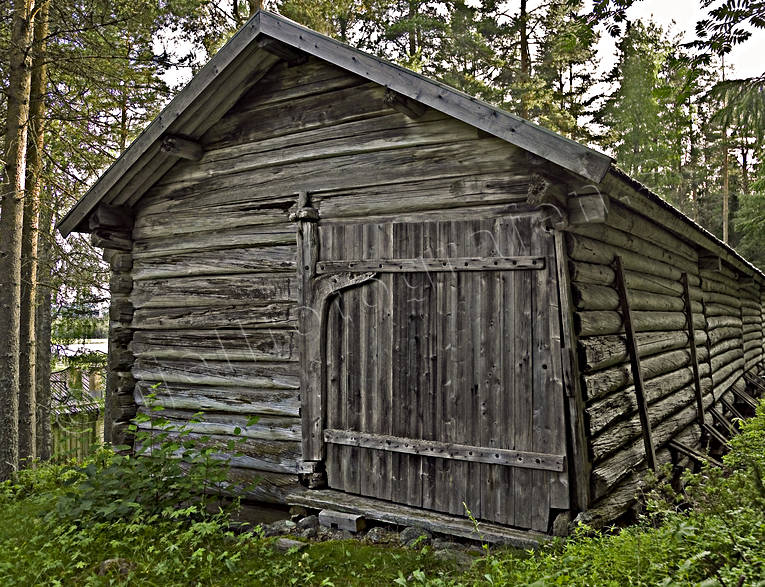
28, 332
11, 220
525, 57
43, 324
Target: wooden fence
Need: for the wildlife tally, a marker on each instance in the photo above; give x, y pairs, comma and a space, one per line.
77, 420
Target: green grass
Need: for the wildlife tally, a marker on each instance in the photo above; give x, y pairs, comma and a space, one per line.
711, 533
36, 548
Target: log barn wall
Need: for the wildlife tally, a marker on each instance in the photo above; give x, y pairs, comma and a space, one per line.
728, 328
214, 255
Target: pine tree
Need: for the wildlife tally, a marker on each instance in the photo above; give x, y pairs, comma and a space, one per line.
11, 220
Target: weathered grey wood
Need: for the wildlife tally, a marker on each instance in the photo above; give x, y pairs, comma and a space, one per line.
579, 472
589, 250
284, 82
375, 168
588, 209
421, 265
276, 456
445, 450
637, 244
282, 51
182, 148
255, 315
605, 411
237, 344
522, 371
646, 228
222, 217
405, 105
221, 262
218, 290
729, 301
259, 374
317, 127
202, 240
603, 275
106, 217
611, 379
353, 358
392, 513
419, 196
651, 206
626, 493
599, 322
617, 467
692, 346
601, 352
600, 297
342, 520
273, 488
697, 456
314, 298
266, 428
634, 356
111, 239
621, 436
208, 398
552, 490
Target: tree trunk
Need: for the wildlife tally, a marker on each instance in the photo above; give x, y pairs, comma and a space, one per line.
525, 57
43, 324
725, 186
11, 220
28, 332
412, 29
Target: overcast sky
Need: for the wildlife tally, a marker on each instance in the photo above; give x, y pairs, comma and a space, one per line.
748, 60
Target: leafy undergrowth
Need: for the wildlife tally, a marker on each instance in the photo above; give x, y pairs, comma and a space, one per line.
710, 533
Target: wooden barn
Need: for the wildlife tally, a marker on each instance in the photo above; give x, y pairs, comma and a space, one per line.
431, 304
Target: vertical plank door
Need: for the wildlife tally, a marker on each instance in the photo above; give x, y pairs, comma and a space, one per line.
443, 383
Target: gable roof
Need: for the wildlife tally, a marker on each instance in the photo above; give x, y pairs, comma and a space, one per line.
241, 63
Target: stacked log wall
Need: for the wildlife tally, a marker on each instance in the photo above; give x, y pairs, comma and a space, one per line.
215, 278
654, 260
723, 310
120, 408
727, 317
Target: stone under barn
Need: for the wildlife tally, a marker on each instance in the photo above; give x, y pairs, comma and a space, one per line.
431, 304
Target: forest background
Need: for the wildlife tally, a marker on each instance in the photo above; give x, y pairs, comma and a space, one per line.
81, 79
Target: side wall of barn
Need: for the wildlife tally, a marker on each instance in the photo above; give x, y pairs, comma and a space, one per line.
214, 256
727, 323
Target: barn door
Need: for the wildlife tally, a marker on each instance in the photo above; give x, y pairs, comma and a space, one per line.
442, 374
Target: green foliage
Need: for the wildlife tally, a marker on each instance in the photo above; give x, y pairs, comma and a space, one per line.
168, 469
750, 222
710, 533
